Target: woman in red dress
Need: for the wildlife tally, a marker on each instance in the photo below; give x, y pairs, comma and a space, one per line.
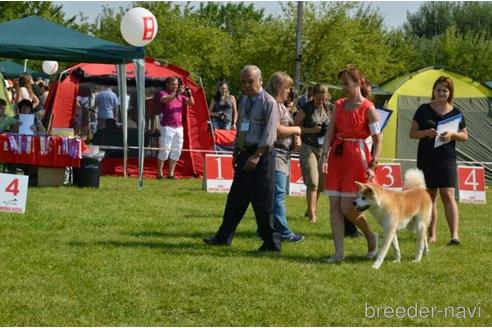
353, 120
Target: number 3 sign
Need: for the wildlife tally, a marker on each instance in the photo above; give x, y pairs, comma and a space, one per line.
389, 176
13, 193
471, 184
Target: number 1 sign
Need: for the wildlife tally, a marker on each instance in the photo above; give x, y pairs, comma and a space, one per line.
13, 193
218, 173
471, 184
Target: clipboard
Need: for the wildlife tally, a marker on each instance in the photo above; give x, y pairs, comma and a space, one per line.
384, 116
451, 124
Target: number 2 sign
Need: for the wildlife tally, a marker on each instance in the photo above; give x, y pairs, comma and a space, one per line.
296, 186
13, 193
471, 184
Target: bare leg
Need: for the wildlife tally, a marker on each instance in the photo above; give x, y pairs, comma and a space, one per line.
337, 226
160, 165
311, 199
450, 210
172, 166
348, 209
433, 224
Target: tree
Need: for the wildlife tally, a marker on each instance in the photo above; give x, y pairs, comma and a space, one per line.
435, 18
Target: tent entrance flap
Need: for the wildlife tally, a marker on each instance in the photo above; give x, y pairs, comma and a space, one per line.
477, 148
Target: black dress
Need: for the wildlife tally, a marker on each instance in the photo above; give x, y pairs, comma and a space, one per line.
438, 164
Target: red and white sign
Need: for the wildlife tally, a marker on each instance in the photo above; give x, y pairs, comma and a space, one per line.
13, 193
218, 173
296, 183
471, 184
389, 176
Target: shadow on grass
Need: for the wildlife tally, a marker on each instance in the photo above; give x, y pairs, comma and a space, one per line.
200, 249
179, 234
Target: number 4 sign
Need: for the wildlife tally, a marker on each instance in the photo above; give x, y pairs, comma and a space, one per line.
471, 184
13, 193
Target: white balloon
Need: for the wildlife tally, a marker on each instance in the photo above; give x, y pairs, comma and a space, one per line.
138, 27
50, 67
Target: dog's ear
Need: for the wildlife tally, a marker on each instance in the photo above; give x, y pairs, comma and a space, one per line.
369, 189
360, 185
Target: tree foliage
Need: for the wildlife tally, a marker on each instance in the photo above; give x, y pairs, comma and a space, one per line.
214, 40
435, 18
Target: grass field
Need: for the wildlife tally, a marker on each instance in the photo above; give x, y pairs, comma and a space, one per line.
119, 256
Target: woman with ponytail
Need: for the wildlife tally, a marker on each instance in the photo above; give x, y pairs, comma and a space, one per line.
349, 159
23, 90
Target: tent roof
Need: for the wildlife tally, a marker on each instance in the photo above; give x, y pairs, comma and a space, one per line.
153, 70
417, 84
36, 38
11, 69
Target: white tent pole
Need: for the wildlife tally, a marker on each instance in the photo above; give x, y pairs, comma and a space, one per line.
122, 91
140, 79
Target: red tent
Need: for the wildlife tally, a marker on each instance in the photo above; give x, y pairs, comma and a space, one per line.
62, 102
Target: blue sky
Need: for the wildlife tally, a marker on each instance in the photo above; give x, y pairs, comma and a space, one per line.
394, 12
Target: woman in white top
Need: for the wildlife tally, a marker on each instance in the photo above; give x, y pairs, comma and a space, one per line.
23, 88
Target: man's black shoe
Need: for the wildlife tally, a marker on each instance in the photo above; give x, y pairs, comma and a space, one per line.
214, 242
264, 248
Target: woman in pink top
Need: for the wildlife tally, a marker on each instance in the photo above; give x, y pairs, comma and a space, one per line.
174, 100
354, 119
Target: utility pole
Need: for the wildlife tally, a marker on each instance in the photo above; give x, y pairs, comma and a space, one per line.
297, 79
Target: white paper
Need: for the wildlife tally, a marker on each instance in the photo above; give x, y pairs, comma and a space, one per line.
449, 125
27, 120
384, 116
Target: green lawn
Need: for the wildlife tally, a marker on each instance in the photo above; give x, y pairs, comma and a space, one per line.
119, 256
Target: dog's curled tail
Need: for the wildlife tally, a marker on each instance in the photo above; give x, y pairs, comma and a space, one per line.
414, 178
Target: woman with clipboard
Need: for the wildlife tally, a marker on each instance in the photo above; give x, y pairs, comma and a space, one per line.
438, 159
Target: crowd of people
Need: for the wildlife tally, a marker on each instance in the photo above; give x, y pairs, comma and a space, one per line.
271, 124
334, 153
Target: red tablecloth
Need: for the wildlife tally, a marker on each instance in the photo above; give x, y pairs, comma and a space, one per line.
54, 153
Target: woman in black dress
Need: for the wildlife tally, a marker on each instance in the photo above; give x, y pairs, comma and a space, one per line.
439, 164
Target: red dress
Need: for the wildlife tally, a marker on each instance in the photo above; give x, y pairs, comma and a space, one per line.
351, 131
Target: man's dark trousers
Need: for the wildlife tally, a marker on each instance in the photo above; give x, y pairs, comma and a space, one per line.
255, 187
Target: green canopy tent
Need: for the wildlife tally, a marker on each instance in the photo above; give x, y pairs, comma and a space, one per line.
11, 70
413, 89
44, 40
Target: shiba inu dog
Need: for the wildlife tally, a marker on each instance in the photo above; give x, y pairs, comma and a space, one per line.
394, 211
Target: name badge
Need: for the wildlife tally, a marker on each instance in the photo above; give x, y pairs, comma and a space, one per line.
245, 124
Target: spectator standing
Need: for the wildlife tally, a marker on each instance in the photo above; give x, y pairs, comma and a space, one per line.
107, 106
439, 163
223, 108
24, 90
254, 164
354, 119
279, 86
6, 122
173, 101
313, 119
